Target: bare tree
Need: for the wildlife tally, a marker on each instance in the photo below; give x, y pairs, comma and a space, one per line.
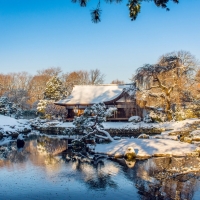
36, 87
71, 79
22, 80
38, 82
18, 96
96, 77
15, 87
52, 71
82, 77
117, 81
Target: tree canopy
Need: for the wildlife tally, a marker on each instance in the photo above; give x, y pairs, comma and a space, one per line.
134, 7
169, 80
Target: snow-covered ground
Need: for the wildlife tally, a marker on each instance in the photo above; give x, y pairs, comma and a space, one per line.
10, 125
145, 148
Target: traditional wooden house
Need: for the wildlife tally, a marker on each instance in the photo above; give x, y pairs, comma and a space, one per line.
111, 95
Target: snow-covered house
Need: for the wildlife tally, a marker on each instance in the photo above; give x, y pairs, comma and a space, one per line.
111, 95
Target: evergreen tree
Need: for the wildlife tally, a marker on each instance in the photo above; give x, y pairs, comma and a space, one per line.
54, 89
134, 7
90, 123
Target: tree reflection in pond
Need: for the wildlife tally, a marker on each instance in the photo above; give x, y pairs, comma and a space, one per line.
97, 176
45, 165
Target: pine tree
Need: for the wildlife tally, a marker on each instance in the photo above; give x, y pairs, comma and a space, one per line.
90, 122
54, 89
134, 7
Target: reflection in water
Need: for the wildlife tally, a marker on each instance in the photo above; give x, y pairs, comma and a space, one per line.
43, 169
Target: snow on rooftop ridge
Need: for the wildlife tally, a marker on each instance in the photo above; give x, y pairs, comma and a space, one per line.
91, 94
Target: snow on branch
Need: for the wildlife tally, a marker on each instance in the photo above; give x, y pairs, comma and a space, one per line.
91, 121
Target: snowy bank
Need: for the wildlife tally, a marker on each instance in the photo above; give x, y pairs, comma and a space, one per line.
165, 130
10, 126
146, 148
128, 125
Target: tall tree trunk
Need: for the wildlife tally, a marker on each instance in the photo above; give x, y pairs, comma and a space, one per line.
168, 108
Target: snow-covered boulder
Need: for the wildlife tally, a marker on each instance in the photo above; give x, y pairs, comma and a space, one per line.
135, 119
143, 136
116, 138
130, 153
195, 135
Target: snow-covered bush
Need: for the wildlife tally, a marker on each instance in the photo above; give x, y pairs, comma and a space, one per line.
182, 114
179, 114
157, 116
9, 108
190, 113
41, 106
147, 119
135, 119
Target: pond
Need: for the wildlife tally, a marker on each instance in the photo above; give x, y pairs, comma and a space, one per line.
43, 170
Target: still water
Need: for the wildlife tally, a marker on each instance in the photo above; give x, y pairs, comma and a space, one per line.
43, 170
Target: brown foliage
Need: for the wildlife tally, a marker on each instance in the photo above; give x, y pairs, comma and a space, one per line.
167, 81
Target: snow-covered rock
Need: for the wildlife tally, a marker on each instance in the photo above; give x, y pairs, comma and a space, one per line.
130, 153
195, 135
116, 138
143, 136
135, 119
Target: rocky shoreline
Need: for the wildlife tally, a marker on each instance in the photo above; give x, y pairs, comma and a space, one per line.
52, 130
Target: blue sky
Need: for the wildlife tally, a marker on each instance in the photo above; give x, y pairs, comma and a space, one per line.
36, 34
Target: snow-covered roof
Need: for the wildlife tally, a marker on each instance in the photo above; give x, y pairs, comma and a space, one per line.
91, 94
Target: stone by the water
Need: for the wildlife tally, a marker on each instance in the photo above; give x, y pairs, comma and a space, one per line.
20, 143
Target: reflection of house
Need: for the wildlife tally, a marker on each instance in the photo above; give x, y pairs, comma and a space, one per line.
111, 95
